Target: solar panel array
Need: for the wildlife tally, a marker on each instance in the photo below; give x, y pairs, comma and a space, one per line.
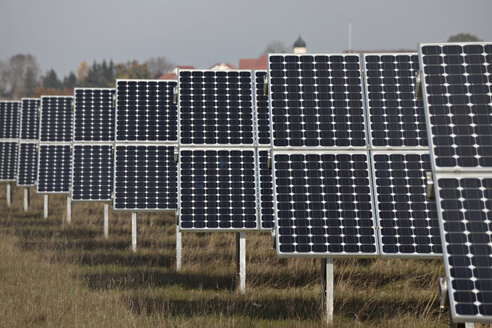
54, 163
9, 134
27, 161
93, 136
217, 155
145, 174
320, 163
456, 84
400, 155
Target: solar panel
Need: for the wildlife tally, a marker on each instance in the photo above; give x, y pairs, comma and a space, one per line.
145, 178
54, 169
145, 111
323, 204
316, 101
407, 219
56, 119
92, 176
217, 189
93, 135
27, 162
27, 165
465, 213
456, 85
266, 213
54, 162
93, 115
145, 174
216, 107
457, 91
396, 117
8, 160
9, 119
262, 111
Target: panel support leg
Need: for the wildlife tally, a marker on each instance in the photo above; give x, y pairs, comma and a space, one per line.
69, 210
46, 199
327, 290
179, 249
241, 261
106, 220
9, 194
26, 199
134, 232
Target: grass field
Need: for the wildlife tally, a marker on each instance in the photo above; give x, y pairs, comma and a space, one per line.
55, 274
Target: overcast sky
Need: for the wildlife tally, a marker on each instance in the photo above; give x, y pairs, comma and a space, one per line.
62, 33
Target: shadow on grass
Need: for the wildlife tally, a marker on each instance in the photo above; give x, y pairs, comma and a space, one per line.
149, 278
268, 309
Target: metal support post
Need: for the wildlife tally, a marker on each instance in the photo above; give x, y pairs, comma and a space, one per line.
327, 289
69, 210
134, 232
241, 261
179, 249
9, 194
46, 206
26, 199
106, 220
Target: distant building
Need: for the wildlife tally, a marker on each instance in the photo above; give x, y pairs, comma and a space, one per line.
253, 63
299, 46
173, 75
222, 67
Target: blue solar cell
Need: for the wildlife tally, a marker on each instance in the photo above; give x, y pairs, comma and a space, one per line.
92, 176
145, 110
93, 115
218, 189
262, 111
54, 169
27, 164
8, 160
56, 119
216, 107
9, 119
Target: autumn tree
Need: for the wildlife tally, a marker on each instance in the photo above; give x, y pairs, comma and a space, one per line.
82, 70
132, 70
19, 76
277, 47
159, 65
464, 37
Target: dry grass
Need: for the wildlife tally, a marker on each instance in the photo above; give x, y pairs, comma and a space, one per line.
54, 274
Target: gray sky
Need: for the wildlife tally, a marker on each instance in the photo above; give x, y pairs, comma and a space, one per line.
62, 33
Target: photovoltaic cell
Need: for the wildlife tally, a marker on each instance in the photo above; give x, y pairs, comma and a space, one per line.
316, 101
54, 169
407, 219
465, 213
217, 189
29, 119
145, 178
145, 111
8, 160
262, 111
93, 115
457, 90
9, 119
267, 219
92, 176
216, 107
323, 204
56, 119
27, 164
396, 116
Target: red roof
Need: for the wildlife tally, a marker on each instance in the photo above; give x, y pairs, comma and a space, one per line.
253, 63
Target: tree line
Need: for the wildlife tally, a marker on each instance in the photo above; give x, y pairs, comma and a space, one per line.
20, 75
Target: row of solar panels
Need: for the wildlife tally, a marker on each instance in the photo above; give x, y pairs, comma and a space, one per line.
338, 141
